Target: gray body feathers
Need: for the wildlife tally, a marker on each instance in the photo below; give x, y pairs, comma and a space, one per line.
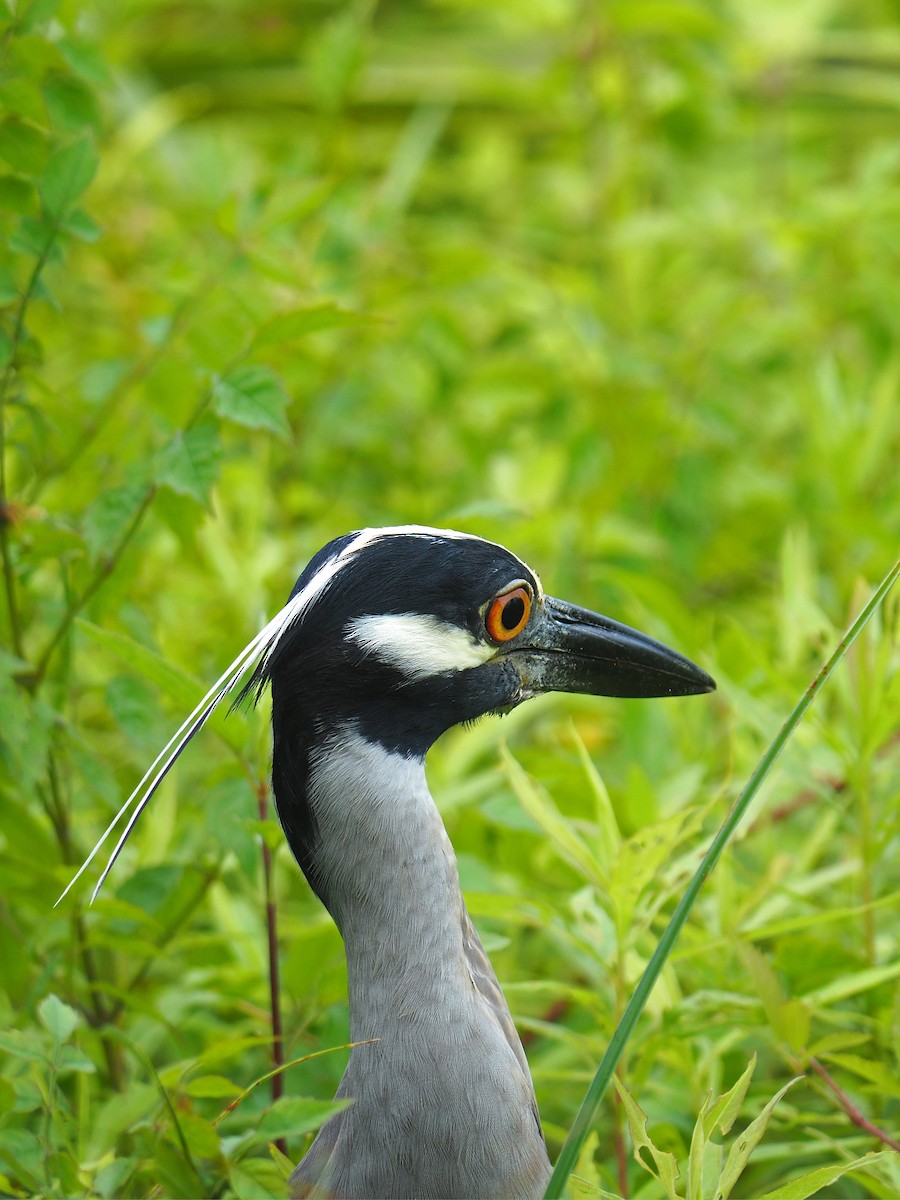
443, 1102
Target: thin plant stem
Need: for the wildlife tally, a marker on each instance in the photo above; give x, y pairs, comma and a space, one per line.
856, 1116
54, 805
106, 568
589, 1106
262, 796
9, 574
294, 1062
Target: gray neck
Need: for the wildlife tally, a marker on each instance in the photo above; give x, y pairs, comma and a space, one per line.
387, 873
443, 1101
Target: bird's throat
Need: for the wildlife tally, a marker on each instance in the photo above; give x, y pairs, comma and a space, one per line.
383, 865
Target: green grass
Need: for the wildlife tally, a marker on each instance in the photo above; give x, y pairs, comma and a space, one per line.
615, 285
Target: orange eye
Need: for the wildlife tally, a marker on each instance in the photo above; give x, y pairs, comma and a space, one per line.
508, 614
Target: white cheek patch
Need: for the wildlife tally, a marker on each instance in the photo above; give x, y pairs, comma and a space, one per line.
417, 644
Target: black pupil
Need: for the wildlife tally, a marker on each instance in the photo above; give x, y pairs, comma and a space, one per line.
513, 612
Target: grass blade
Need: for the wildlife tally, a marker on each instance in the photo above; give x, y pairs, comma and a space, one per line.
586, 1114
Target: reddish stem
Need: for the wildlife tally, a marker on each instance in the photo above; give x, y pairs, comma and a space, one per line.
621, 1148
858, 1118
262, 796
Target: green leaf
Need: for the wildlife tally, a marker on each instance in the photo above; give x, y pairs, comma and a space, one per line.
8, 290
252, 396
189, 465
822, 1177
852, 984
289, 326
722, 1112
200, 1135
34, 236
21, 1043
58, 1018
23, 146
212, 1086
666, 1165
86, 60
68, 173
562, 833
70, 104
256, 1180
22, 1150
37, 13
16, 195
184, 689
72, 1059
293, 1115
705, 1161
877, 1073
112, 1175
745, 1144
81, 226
110, 515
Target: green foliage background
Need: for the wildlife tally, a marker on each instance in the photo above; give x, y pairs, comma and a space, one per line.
614, 283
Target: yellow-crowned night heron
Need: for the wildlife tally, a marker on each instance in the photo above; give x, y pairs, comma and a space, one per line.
390, 637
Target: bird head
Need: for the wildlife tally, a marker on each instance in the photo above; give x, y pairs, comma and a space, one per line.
406, 631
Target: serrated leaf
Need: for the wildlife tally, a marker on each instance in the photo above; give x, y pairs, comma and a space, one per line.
253, 396
110, 515
745, 1144
705, 1160
723, 1111
58, 1018
189, 464
68, 173
666, 1166
289, 326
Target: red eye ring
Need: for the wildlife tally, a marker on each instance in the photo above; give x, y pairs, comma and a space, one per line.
508, 614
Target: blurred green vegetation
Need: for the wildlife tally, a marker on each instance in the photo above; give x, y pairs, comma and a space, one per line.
613, 283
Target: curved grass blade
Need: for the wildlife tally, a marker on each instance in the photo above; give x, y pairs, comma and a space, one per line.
586, 1114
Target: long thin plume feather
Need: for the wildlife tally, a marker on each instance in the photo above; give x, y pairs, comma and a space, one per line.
258, 651
263, 643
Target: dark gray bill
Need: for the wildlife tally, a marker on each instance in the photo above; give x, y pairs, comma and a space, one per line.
571, 649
